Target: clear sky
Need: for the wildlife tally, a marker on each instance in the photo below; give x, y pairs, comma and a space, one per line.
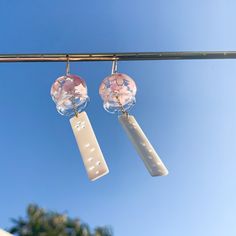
186, 108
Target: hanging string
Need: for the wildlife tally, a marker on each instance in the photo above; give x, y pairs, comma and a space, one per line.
74, 106
121, 106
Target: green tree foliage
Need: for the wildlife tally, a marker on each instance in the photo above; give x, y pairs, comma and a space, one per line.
47, 223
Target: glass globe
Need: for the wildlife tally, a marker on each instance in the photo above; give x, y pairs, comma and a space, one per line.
70, 94
118, 92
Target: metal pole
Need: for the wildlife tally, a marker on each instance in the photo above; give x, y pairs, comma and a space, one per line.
133, 56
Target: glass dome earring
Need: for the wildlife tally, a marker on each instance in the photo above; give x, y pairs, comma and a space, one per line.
118, 94
69, 92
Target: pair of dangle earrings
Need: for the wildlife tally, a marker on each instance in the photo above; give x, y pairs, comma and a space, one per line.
69, 92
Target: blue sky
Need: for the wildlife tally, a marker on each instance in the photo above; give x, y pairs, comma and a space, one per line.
186, 108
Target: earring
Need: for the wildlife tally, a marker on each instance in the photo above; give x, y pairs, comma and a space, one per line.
69, 92
118, 94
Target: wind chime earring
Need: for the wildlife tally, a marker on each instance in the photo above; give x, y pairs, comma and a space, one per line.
118, 93
69, 92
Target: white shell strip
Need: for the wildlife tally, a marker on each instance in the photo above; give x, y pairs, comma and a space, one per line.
91, 153
144, 148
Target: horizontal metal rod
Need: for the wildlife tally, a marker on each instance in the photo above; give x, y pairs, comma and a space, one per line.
133, 56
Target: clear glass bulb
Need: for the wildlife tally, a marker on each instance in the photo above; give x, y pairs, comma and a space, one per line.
69, 92
118, 92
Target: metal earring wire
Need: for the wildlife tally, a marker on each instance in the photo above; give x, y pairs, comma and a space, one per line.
67, 65
73, 98
114, 71
114, 67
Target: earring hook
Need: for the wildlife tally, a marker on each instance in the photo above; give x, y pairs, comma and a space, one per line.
67, 73
114, 71
67, 65
114, 67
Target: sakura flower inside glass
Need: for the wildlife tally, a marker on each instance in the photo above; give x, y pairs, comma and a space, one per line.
118, 92
69, 92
